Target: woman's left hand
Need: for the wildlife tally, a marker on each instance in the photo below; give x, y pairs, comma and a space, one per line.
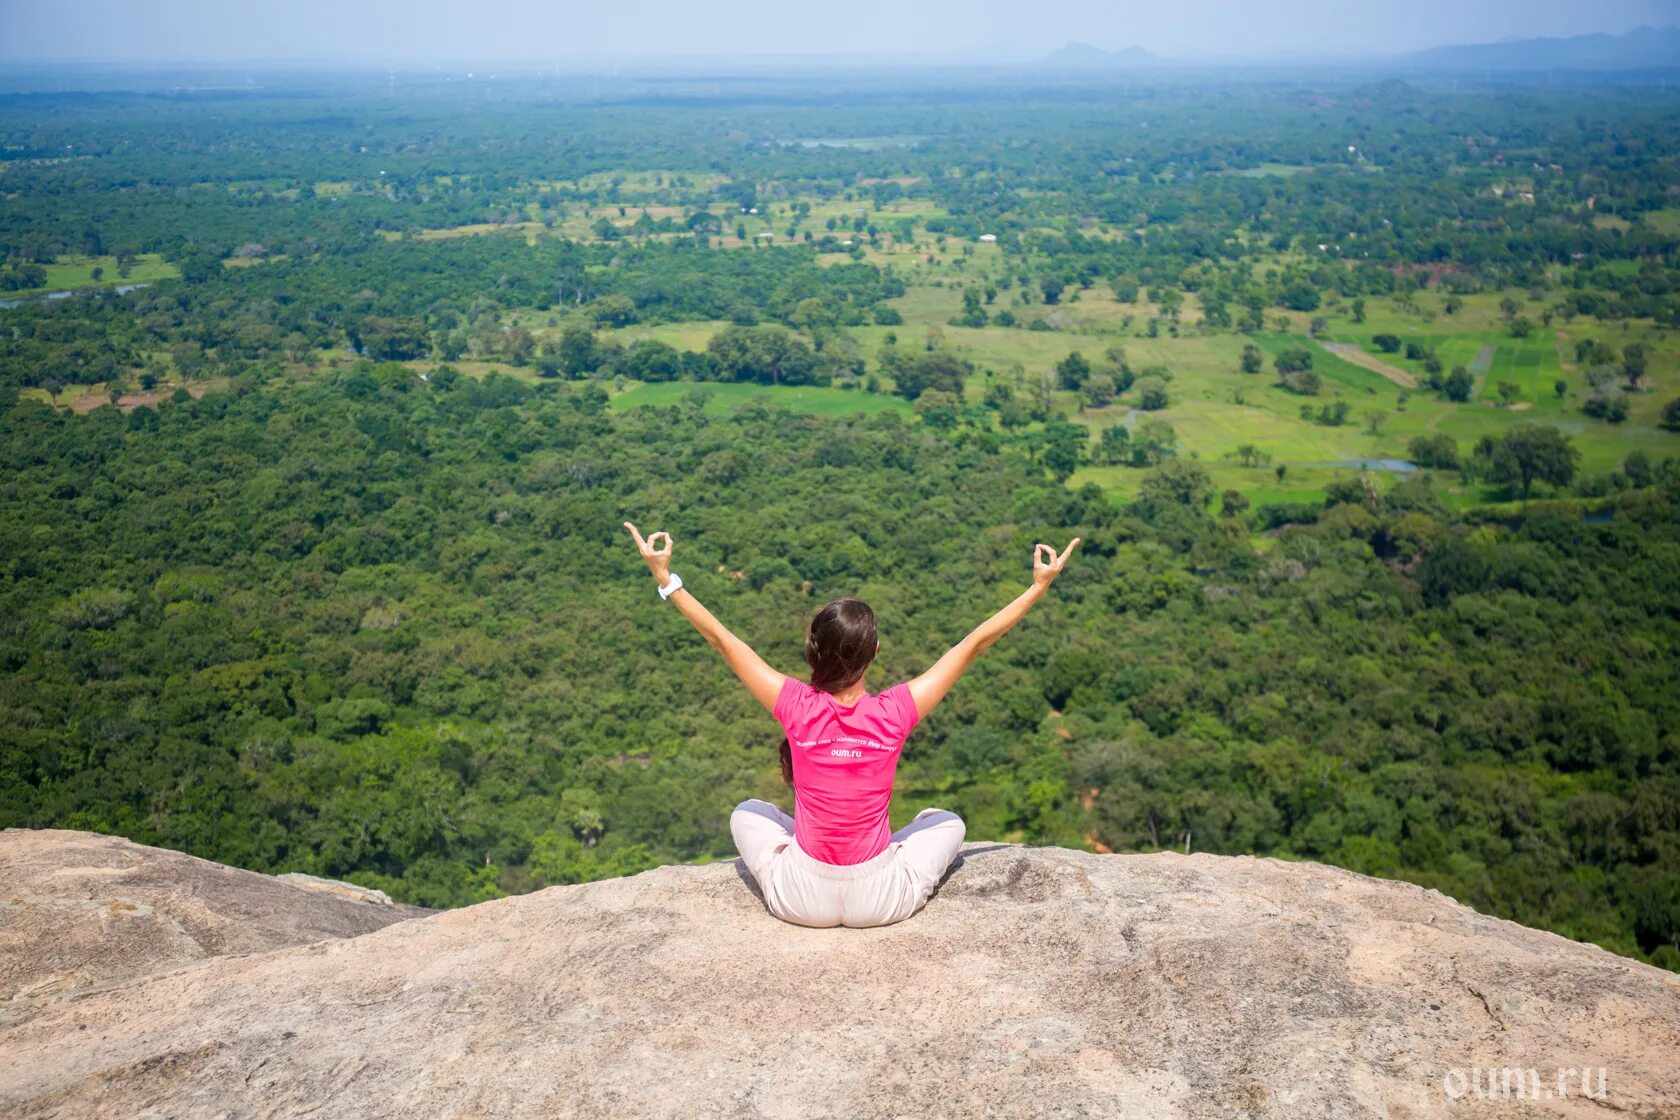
658, 560
1047, 565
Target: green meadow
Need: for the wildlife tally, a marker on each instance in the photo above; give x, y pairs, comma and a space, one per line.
722, 397
76, 271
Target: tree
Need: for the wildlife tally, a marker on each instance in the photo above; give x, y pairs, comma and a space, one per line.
1299, 295
1013, 415
1153, 441
1509, 391
613, 310
1560, 387
1634, 356
1072, 371
1115, 445
1459, 384
1293, 359
1306, 382
1252, 358
1332, 415
1099, 390
813, 315
1233, 503
1358, 310
200, 266
518, 345
1438, 451
939, 409
1152, 394
652, 360
1521, 327
767, 354
1387, 343
577, 351
937, 369
394, 340
1064, 448
1433, 450
1531, 453
1638, 470
1052, 287
1671, 415
1180, 482
1607, 404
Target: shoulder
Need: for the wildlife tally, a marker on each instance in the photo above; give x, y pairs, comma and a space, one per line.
898, 702
794, 692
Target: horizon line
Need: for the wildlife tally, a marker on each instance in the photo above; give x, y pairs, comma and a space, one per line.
979, 58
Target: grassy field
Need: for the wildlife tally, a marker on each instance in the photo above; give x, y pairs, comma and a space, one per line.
721, 397
682, 336
76, 271
1213, 406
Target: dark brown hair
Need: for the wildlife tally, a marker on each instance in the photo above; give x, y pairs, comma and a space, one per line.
839, 645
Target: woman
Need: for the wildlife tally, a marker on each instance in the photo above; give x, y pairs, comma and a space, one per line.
835, 861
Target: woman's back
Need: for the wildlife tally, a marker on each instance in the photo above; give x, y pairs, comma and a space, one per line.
844, 761
838, 862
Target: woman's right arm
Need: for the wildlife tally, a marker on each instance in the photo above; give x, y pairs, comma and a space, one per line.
930, 688
763, 682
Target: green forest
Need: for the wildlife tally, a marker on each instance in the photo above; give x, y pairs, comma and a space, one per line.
321, 410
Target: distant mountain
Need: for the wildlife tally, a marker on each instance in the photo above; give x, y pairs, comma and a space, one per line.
1640, 49
1083, 56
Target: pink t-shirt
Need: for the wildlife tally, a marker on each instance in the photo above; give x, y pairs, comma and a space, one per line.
844, 760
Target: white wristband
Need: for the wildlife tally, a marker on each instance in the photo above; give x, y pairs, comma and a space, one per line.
666, 591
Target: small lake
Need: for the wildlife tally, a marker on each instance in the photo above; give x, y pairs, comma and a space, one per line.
863, 143
1395, 466
120, 289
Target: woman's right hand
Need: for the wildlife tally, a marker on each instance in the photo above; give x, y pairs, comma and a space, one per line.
658, 560
1047, 565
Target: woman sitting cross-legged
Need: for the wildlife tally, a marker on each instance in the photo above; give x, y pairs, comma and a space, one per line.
836, 860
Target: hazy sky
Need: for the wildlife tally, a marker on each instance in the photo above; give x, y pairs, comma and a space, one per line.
424, 31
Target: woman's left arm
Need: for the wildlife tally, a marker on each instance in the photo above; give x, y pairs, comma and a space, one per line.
763, 682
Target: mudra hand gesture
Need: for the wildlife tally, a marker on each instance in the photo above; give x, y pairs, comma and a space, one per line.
658, 560
1047, 565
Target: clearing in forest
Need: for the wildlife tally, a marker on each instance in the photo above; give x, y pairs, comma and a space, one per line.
1353, 353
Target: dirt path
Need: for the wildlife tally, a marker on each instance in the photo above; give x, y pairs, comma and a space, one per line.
128, 402
1351, 352
1479, 366
1563, 353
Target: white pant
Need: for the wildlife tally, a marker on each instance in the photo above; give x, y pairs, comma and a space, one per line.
877, 892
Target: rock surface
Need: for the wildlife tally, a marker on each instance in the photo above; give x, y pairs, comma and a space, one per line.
1038, 982
79, 910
